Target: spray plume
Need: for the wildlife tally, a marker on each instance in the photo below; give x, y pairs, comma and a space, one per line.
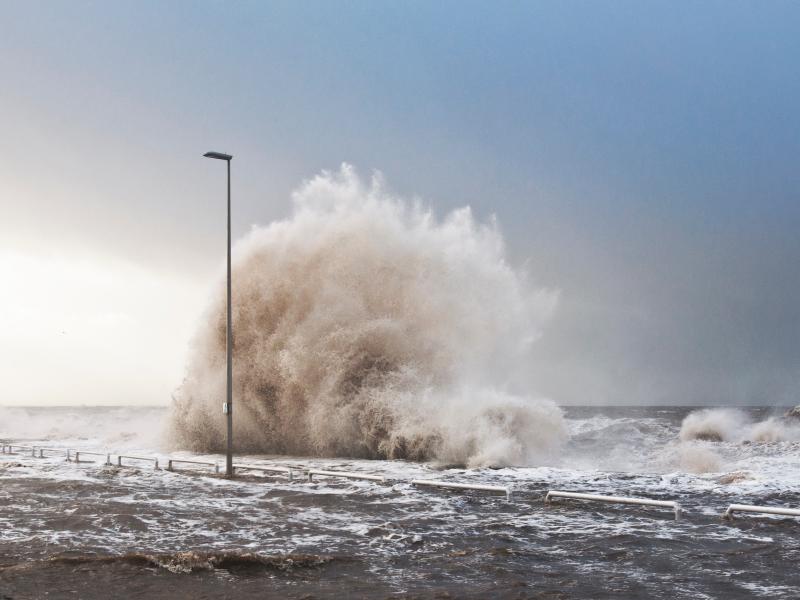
365, 327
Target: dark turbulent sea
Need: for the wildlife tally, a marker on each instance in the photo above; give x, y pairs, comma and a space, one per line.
92, 531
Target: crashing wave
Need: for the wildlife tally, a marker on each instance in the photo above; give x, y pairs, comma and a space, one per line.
365, 327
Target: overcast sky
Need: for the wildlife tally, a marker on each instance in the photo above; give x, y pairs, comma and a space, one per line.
641, 157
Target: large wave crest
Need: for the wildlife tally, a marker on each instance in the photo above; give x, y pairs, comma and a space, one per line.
365, 327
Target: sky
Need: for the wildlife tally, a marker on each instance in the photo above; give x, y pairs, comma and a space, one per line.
643, 158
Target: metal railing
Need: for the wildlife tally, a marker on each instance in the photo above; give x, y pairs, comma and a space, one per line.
144, 458
767, 510
266, 469
50, 450
345, 474
75, 455
615, 499
79, 453
9, 449
173, 461
463, 486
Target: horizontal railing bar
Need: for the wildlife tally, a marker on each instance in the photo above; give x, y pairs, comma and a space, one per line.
9, 449
131, 457
768, 510
463, 486
284, 470
172, 461
78, 454
262, 468
618, 499
615, 499
59, 450
18, 447
345, 474
772, 510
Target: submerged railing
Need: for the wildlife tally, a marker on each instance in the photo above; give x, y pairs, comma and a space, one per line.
9, 449
346, 474
173, 461
64, 451
79, 453
75, 456
463, 486
120, 457
767, 510
615, 499
265, 469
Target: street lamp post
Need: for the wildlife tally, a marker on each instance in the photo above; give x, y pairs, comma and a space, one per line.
228, 406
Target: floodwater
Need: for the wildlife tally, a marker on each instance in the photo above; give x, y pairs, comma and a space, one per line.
88, 530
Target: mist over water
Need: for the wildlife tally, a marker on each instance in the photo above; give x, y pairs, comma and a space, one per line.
118, 427
366, 327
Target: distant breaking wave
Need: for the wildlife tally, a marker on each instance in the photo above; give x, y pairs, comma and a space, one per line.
732, 425
365, 327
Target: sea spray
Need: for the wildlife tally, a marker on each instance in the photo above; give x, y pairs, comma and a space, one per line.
713, 425
365, 327
775, 429
733, 425
695, 458
95, 427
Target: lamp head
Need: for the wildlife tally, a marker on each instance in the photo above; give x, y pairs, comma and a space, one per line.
218, 155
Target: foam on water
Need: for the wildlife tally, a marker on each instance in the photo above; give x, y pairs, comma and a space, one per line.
50, 504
